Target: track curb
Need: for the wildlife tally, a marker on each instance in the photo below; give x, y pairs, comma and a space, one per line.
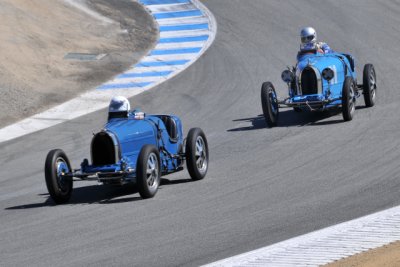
326, 245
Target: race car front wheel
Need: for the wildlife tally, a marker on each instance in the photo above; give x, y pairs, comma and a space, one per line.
348, 99
148, 171
369, 85
196, 153
59, 187
269, 102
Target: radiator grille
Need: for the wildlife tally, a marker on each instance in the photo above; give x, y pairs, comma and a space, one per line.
103, 149
309, 82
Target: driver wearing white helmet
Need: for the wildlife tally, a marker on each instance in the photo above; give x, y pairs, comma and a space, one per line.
309, 42
119, 107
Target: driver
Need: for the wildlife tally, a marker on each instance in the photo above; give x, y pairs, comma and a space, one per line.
119, 107
309, 41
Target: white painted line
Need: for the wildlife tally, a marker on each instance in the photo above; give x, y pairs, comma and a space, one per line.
170, 57
96, 99
326, 245
171, 8
134, 80
189, 20
158, 68
184, 33
179, 45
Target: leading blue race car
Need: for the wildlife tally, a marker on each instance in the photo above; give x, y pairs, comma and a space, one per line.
319, 82
138, 148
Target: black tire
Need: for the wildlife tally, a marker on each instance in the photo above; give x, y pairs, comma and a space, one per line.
196, 154
369, 85
348, 99
148, 161
60, 189
269, 104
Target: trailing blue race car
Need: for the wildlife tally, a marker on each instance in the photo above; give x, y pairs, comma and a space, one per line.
133, 147
319, 82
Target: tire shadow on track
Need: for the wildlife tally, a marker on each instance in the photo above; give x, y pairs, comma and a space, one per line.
290, 118
175, 181
98, 194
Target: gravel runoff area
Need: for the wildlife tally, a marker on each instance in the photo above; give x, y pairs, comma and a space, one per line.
36, 35
385, 256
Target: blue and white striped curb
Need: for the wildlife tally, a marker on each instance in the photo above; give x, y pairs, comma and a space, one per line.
187, 29
326, 245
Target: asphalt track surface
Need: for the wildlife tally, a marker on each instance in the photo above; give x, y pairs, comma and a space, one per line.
263, 185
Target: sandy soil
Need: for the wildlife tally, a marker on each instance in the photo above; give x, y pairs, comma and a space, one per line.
35, 36
386, 256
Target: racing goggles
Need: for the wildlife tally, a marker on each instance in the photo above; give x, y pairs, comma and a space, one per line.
307, 39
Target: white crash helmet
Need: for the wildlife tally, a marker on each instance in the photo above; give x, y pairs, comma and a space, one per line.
308, 36
119, 105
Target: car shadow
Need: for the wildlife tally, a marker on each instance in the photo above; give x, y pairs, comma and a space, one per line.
175, 181
256, 123
290, 118
361, 107
98, 194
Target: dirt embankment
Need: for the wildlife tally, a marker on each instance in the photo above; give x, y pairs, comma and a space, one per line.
386, 256
35, 36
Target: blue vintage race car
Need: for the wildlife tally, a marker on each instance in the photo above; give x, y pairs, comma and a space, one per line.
320, 82
136, 149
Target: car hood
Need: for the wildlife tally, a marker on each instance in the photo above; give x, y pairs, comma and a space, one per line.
318, 61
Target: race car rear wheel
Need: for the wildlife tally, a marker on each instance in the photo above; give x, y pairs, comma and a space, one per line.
369, 85
269, 104
148, 171
59, 187
348, 99
196, 154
